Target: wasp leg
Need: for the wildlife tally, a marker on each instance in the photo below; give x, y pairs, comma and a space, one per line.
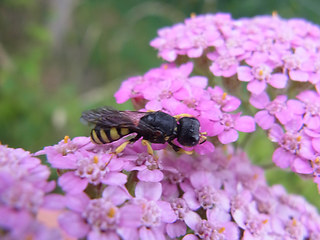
149, 147
203, 137
179, 149
182, 115
123, 145
120, 148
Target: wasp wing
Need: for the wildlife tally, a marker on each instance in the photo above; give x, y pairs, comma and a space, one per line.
107, 117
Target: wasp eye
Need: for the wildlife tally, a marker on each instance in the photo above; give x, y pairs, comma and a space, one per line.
188, 134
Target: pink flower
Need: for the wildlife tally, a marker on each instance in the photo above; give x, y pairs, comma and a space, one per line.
228, 125
182, 211
216, 226
294, 149
61, 156
147, 166
191, 38
271, 110
293, 62
94, 169
152, 212
89, 163
309, 107
223, 64
206, 193
259, 76
167, 40
226, 102
95, 218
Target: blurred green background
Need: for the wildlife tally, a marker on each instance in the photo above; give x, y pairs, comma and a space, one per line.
60, 57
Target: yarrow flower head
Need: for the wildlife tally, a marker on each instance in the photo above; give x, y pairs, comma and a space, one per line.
270, 54
229, 74
96, 218
88, 164
24, 190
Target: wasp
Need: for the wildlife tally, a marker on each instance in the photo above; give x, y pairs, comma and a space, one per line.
153, 127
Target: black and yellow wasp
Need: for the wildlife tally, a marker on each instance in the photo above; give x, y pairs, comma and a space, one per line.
155, 127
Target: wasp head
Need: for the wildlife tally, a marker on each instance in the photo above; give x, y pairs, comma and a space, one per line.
188, 131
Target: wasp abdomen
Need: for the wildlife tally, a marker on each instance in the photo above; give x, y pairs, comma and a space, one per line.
106, 135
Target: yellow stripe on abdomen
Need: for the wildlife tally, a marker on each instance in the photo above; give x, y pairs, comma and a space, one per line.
94, 137
104, 136
124, 131
114, 135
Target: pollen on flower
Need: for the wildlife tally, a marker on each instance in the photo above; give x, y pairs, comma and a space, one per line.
206, 197
204, 229
112, 212
224, 96
221, 230
180, 207
193, 15
66, 139
102, 214
265, 221
151, 162
294, 222
291, 142
90, 170
228, 124
260, 72
95, 159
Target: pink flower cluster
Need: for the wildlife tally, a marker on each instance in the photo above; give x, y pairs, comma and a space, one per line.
218, 195
262, 51
294, 125
24, 189
276, 59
